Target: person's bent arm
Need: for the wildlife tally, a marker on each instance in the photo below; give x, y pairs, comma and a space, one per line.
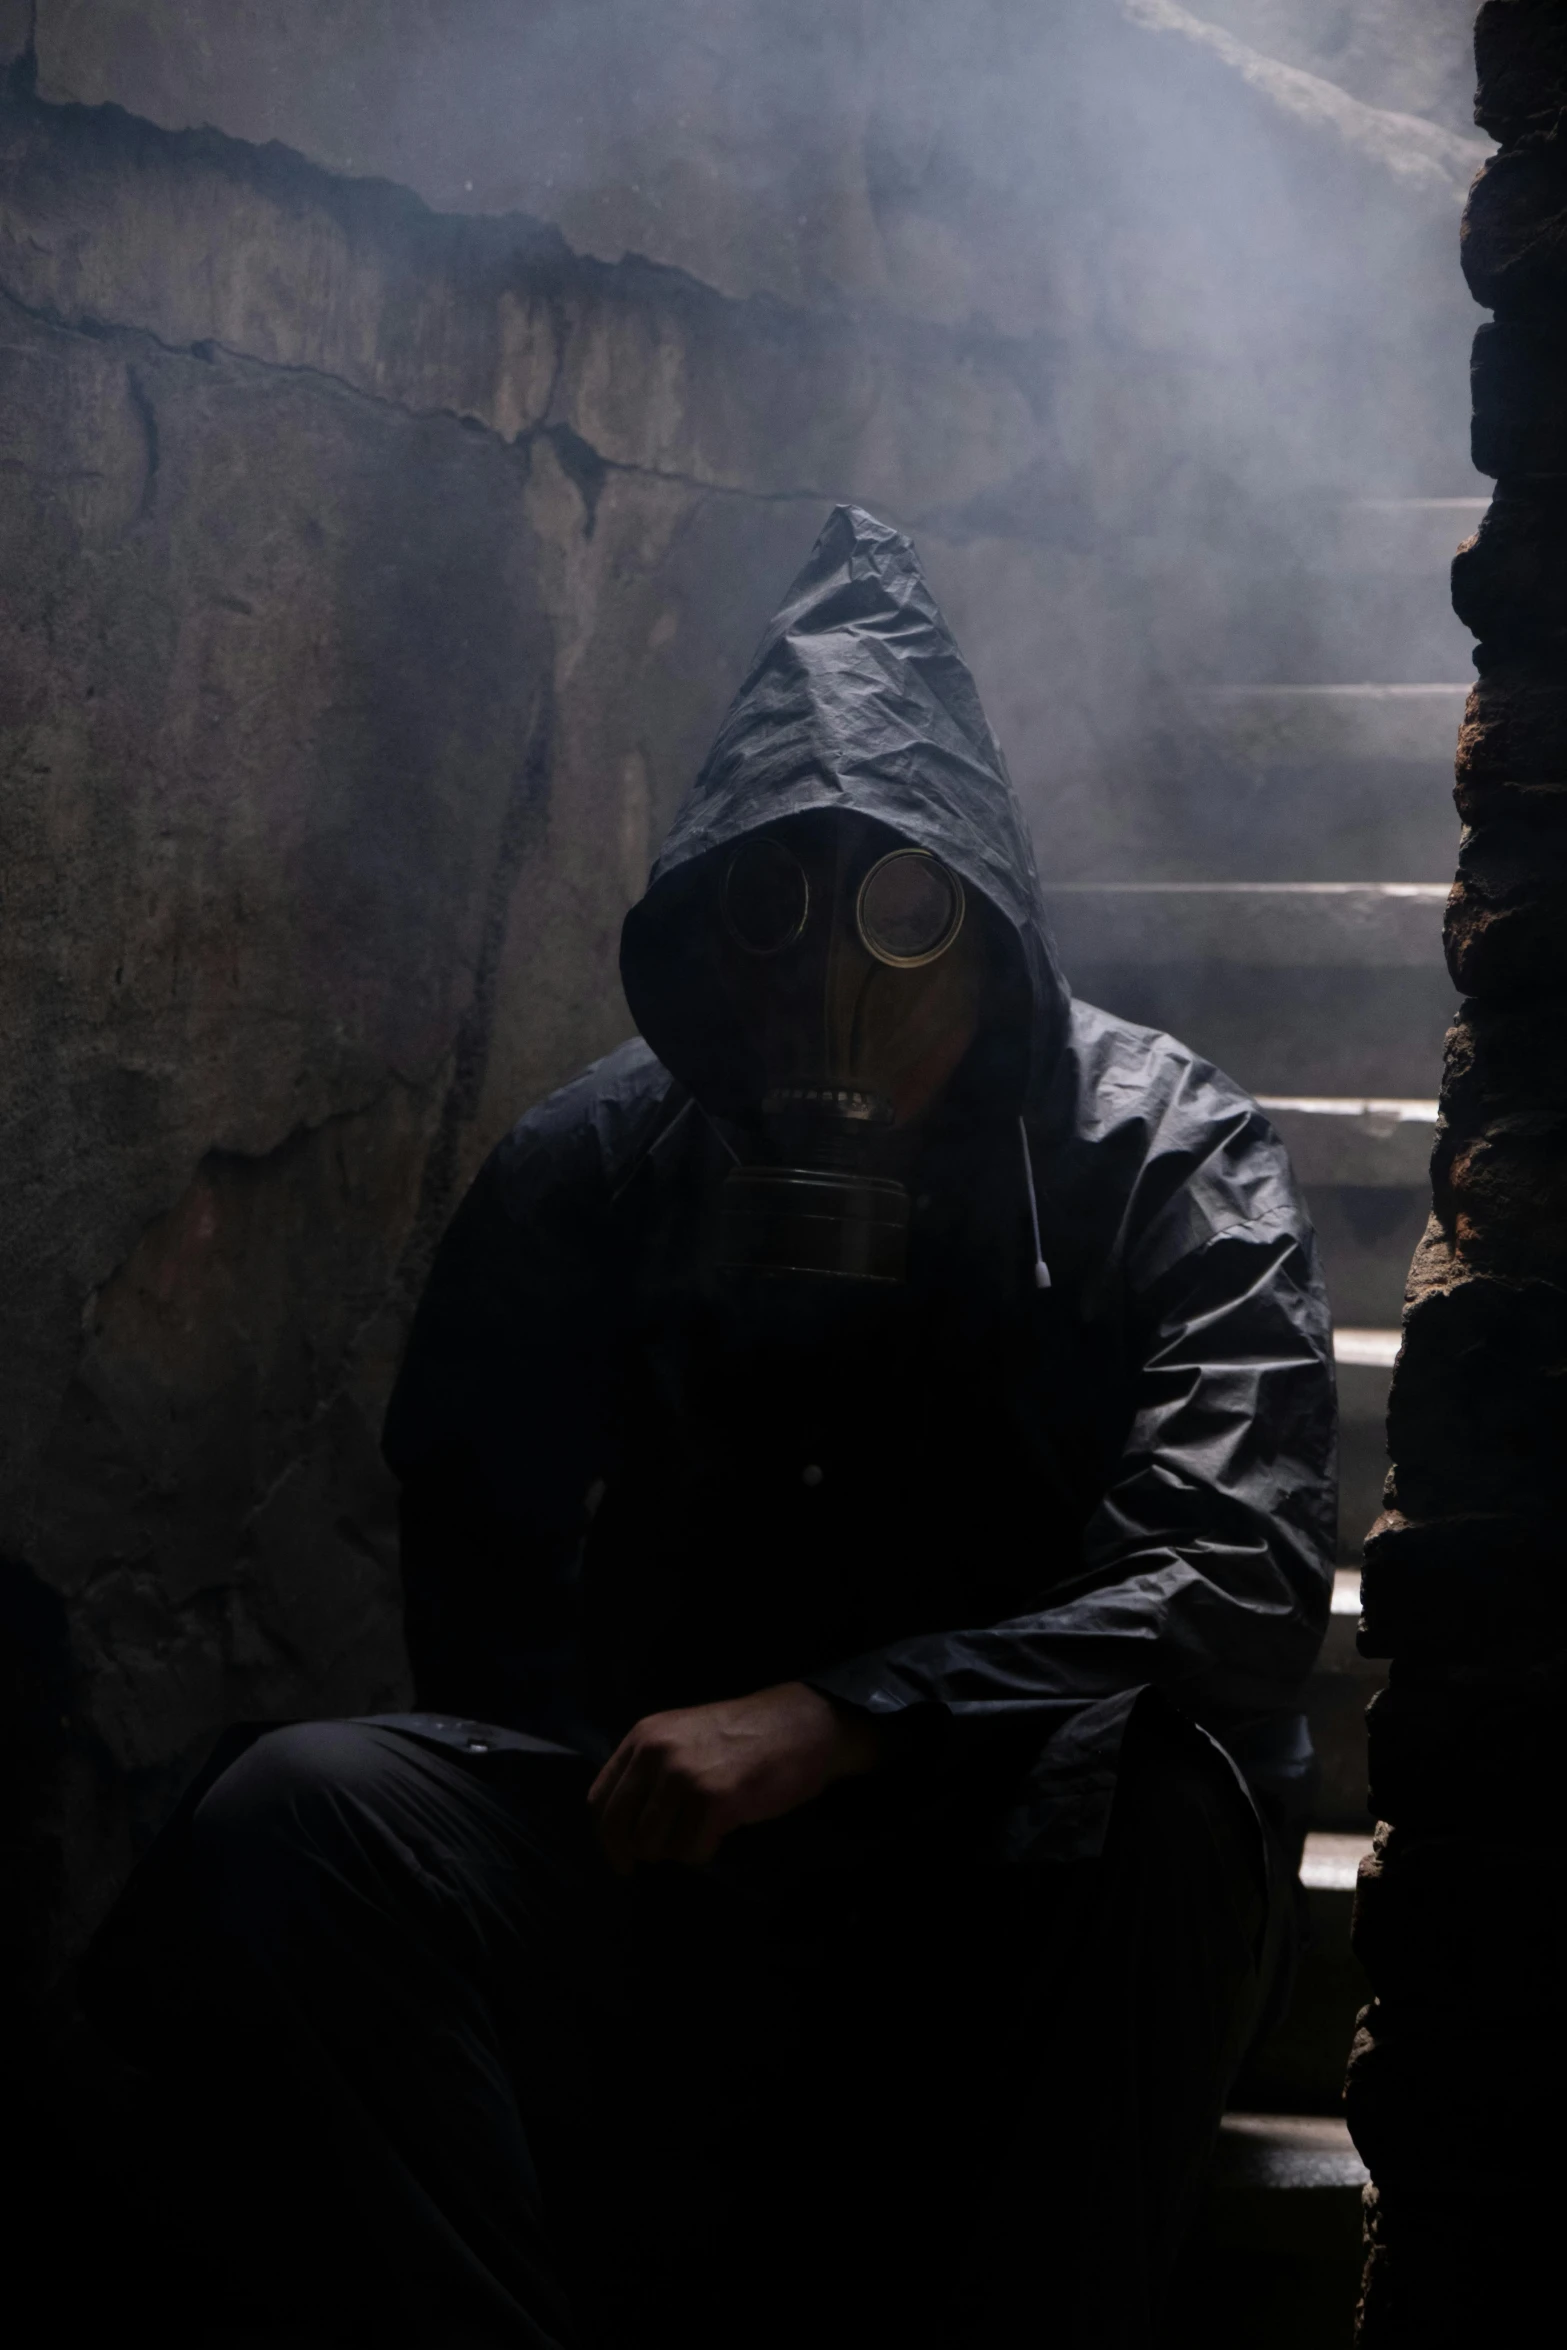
1207, 1567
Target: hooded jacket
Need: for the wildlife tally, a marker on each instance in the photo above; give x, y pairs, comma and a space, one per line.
990, 1513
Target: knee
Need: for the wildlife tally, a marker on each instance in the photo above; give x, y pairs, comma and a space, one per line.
275, 1811
286, 1775
1182, 1812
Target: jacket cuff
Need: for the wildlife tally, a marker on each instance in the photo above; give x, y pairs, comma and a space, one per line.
911, 1729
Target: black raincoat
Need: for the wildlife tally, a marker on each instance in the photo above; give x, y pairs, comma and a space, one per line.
989, 1512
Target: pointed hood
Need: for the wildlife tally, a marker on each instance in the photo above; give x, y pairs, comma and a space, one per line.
858, 699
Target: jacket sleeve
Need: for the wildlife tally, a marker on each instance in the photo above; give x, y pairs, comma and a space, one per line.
1206, 1566
497, 1426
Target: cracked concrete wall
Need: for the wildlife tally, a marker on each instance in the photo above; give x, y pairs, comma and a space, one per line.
277, 701
377, 553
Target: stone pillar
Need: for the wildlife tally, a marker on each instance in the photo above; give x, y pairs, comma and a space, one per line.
1458, 2071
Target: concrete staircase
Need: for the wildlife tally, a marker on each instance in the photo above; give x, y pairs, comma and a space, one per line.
1307, 961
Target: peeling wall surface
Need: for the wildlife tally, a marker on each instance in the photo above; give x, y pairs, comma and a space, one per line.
409, 414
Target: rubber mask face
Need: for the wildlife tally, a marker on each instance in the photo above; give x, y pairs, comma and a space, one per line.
856, 968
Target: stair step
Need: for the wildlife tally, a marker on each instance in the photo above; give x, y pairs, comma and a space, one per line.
1341, 1686
1324, 1031
1305, 819
1367, 1349
1363, 1371
1363, 1361
1299, 2068
1253, 925
1275, 2255
1288, 2152
1299, 989
1366, 1236
1261, 726
1355, 1138
1411, 538
1331, 1862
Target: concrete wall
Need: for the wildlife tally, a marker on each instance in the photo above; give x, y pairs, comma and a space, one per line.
410, 414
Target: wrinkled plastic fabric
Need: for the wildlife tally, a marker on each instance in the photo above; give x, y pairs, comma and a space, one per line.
857, 698
1036, 1505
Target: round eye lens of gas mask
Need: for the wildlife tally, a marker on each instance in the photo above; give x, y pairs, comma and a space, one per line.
766, 897
910, 908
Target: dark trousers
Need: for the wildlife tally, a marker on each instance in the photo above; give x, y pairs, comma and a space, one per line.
455, 2084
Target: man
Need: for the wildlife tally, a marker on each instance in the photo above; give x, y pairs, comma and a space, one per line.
866, 1453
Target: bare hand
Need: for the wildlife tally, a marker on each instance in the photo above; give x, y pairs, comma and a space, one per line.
678, 1782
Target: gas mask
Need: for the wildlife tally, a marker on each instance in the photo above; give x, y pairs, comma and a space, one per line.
854, 971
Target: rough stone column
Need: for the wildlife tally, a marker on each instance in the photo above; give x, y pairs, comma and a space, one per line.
1457, 2077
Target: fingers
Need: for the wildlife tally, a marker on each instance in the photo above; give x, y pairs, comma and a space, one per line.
705, 1831
672, 1822
652, 1813
612, 1771
658, 1817
619, 1810
681, 1823
679, 1781
649, 1805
